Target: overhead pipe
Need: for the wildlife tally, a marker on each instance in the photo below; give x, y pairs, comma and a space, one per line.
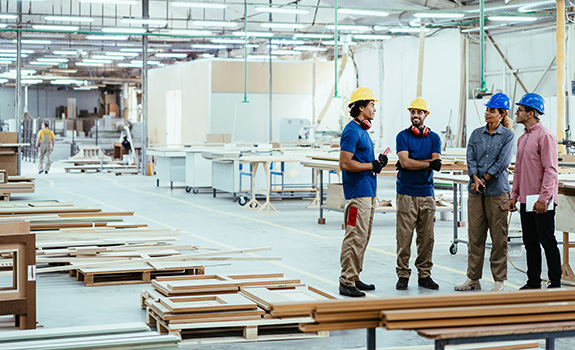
560, 38
145, 14
335, 50
18, 94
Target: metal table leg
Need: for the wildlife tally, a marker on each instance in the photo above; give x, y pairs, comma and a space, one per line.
371, 339
321, 220
550, 343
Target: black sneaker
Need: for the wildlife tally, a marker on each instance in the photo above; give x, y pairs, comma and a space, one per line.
428, 283
528, 286
45, 172
350, 291
552, 285
41, 171
402, 283
363, 286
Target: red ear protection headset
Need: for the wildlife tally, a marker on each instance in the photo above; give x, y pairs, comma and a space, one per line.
416, 132
365, 124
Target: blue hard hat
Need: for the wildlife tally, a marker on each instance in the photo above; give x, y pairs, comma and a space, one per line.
499, 100
534, 101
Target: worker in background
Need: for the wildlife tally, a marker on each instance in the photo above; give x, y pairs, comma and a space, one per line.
489, 153
360, 168
535, 186
45, 147
419, 151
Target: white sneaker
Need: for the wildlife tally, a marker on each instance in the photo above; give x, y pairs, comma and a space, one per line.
498, 286
469, 284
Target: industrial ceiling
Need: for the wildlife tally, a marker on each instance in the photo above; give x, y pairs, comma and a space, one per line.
83, 42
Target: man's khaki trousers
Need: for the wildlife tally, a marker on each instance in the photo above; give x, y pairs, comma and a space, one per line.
414, 213
358, 222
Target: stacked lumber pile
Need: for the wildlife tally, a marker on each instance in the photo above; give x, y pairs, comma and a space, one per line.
112, 336
434, 311
93, 159
196, 306
14, 184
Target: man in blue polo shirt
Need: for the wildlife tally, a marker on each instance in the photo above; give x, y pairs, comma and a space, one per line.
419, 151
360, 168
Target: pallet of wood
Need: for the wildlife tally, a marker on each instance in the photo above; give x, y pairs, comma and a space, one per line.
195, 307
111, 336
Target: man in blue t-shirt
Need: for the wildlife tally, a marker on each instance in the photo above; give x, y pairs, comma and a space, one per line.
419, 151
360, 168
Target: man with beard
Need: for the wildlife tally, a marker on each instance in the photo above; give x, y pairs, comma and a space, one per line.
419, 151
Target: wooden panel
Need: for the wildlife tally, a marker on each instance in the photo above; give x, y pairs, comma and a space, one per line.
266, 296
223, 302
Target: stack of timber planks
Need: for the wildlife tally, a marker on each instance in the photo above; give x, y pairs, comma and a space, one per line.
113, 336
197, 306
435, 311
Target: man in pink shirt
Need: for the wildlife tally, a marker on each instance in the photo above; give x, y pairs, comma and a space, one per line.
536, 177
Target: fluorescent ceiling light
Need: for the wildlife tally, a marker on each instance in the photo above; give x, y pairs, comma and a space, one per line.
146, 21
23, 71
288, 42
284, 52
190, 32
33, 41
254, 34
309, 48
89, 64
226, 24
134, 49
207, 55
107, 37
349, 27
228, 41
288, 10
2, 81
209, 46
406, 30
363, 12
107, 58
533, 6
14, 51
201, 5
55, 28
512, 18
150, 62
6, 61
69, 52
171, 55
31, 81
69, 18
115, 2
278, 25
371, 37
130, 65
7, 16
124, 30
52, 59
95, 60
313, 36
66, 82
86, 87
122, 54
44, 63
64, 70
439, 15
3, 25
13, 55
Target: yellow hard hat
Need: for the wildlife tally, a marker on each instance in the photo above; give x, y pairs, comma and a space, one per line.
418, 103
361, 94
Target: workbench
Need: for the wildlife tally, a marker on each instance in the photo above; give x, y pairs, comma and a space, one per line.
482, 334
321, 164
170, 165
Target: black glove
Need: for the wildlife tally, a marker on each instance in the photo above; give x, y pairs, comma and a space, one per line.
376, 166
435, 164
382, 159
398, 165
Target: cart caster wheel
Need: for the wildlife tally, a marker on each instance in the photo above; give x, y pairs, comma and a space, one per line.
196, 190
453, 249
254, 205
321, 221
242, 201
188, 189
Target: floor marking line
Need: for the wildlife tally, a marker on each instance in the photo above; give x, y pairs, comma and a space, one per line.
221, 211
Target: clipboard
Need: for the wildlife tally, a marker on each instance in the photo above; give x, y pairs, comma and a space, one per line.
531, 199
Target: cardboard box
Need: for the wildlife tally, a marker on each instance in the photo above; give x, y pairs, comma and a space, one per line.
335, 198
8, 137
